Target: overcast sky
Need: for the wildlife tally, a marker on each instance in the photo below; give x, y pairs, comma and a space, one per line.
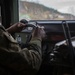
65, 6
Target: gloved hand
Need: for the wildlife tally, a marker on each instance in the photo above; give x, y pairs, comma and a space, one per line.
38, 33
17, 27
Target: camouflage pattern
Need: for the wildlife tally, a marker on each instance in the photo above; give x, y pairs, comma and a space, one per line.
17, 61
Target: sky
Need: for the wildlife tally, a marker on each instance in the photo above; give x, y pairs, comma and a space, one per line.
64, 6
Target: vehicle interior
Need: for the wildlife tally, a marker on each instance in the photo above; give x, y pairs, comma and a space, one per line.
58, 45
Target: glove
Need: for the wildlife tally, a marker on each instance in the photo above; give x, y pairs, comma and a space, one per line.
38, 33
17, 27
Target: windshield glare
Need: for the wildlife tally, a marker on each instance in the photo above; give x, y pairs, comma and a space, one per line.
47, 9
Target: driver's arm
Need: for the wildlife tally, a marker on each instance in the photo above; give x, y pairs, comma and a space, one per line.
17, 27
23, 61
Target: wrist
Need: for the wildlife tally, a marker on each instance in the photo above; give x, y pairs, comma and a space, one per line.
10, 30
36, 38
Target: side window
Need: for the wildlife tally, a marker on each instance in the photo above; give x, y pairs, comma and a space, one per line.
47, 9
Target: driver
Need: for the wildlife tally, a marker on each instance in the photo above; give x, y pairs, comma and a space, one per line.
17, 61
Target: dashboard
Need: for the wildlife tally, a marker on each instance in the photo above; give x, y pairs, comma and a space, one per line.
54, 30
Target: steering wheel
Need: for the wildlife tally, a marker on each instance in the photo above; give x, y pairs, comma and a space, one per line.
30, 35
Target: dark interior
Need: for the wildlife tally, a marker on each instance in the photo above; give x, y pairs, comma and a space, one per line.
56, 64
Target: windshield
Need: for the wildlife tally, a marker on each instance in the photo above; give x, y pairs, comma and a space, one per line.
47, 9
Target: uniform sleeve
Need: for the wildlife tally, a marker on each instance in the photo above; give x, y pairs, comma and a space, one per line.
24, 61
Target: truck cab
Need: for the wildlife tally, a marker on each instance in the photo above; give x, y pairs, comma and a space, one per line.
58, 20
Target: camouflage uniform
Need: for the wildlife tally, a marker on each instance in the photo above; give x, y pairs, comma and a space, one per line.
17, 61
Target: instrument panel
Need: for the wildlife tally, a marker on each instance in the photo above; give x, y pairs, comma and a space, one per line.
54, 30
